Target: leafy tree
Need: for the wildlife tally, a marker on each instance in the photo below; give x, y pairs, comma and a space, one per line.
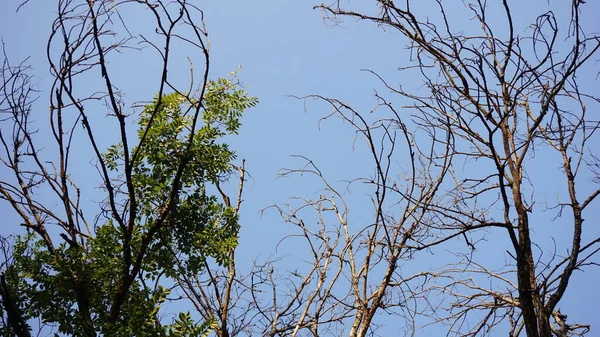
160, 220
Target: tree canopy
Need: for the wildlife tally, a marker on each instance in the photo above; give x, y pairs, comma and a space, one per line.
474, 217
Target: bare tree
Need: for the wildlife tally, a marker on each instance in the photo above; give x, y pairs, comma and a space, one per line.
502, 93
451, 163
350, 273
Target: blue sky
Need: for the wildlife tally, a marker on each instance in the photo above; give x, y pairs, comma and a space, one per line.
286, 48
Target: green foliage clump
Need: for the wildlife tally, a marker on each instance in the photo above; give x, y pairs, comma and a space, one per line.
178, 161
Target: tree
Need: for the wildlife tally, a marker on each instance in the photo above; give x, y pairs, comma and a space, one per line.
455, 172
158, 220
494, 96
454, 157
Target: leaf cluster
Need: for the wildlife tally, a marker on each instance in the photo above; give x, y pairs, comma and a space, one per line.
198, 225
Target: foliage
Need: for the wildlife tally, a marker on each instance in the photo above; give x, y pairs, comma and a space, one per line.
198, 226
452, 154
